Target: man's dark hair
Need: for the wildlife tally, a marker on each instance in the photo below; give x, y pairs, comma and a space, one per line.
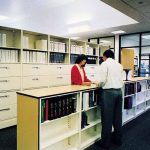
109, 54
81, 58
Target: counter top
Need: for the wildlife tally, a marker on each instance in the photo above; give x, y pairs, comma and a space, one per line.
45, 92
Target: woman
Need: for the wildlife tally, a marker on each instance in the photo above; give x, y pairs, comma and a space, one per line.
78, 75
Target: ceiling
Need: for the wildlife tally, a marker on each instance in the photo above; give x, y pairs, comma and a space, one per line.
83, 18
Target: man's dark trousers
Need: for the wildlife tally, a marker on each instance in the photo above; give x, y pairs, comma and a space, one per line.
111, 115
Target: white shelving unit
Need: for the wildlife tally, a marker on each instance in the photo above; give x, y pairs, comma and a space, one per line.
27, 62
140, 98
62, 128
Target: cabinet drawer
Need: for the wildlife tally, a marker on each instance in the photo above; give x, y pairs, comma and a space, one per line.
8, 112
9, 70
8, 98
93, 77
60, 80
10, 83
91, 69
29, 69
35, 82
59, 69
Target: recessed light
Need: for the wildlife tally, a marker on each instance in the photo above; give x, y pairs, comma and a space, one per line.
79, 29
118, 32
75, 37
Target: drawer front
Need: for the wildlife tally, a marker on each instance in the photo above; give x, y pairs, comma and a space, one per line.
8, 112
10, 83
35, 82
91, 69
59, 69
93, 77
59, 80
9, 70
8, 98
35, 70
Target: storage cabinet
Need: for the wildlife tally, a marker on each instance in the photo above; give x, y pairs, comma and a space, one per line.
56, 113
136, 98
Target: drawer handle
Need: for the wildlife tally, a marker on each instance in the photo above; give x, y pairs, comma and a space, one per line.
59, 67
4, 81
92, 75
4, 96
35, 79
35, 67
6, 109
4, 67
59, 77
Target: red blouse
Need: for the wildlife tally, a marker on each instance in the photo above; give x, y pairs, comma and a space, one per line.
76, 76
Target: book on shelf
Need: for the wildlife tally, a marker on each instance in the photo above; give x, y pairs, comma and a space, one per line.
41, 44
128, 102
84, 120
2, 40
57, 107
25, 42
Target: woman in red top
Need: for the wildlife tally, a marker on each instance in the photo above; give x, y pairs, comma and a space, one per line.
78, 75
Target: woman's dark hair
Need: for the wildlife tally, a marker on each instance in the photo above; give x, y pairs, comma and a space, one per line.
109, 54
81, 58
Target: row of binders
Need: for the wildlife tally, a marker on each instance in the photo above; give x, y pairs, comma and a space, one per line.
76, 49
89, 99
57, 107
2, 40
34, 57
91, 51
91, 60
9, 56
130, 88
57, 58
58, 47
73, 58
38, 44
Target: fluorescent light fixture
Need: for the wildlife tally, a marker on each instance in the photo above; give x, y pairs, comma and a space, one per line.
75, 37
105, 41
79, 19
146, 37
79, 29
3, 17
118, 32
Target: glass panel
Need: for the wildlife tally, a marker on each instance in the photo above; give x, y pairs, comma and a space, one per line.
144, 70
93, 41
130, 40
145, 50
145, 39
107, 41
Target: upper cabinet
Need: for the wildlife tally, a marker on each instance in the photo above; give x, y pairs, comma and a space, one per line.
10, 45
92, 52
58, 50
76, 48
35, 47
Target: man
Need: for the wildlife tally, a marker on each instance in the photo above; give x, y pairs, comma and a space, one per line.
111, 100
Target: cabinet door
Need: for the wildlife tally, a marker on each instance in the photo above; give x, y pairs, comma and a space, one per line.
59, 80
10, 83
9, 70
29, 69
35, 82
7, 98
59, 69
8, 112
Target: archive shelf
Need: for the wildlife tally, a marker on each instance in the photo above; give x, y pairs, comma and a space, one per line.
59, 50
76, 48
136, 91
59, 127
90, 136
